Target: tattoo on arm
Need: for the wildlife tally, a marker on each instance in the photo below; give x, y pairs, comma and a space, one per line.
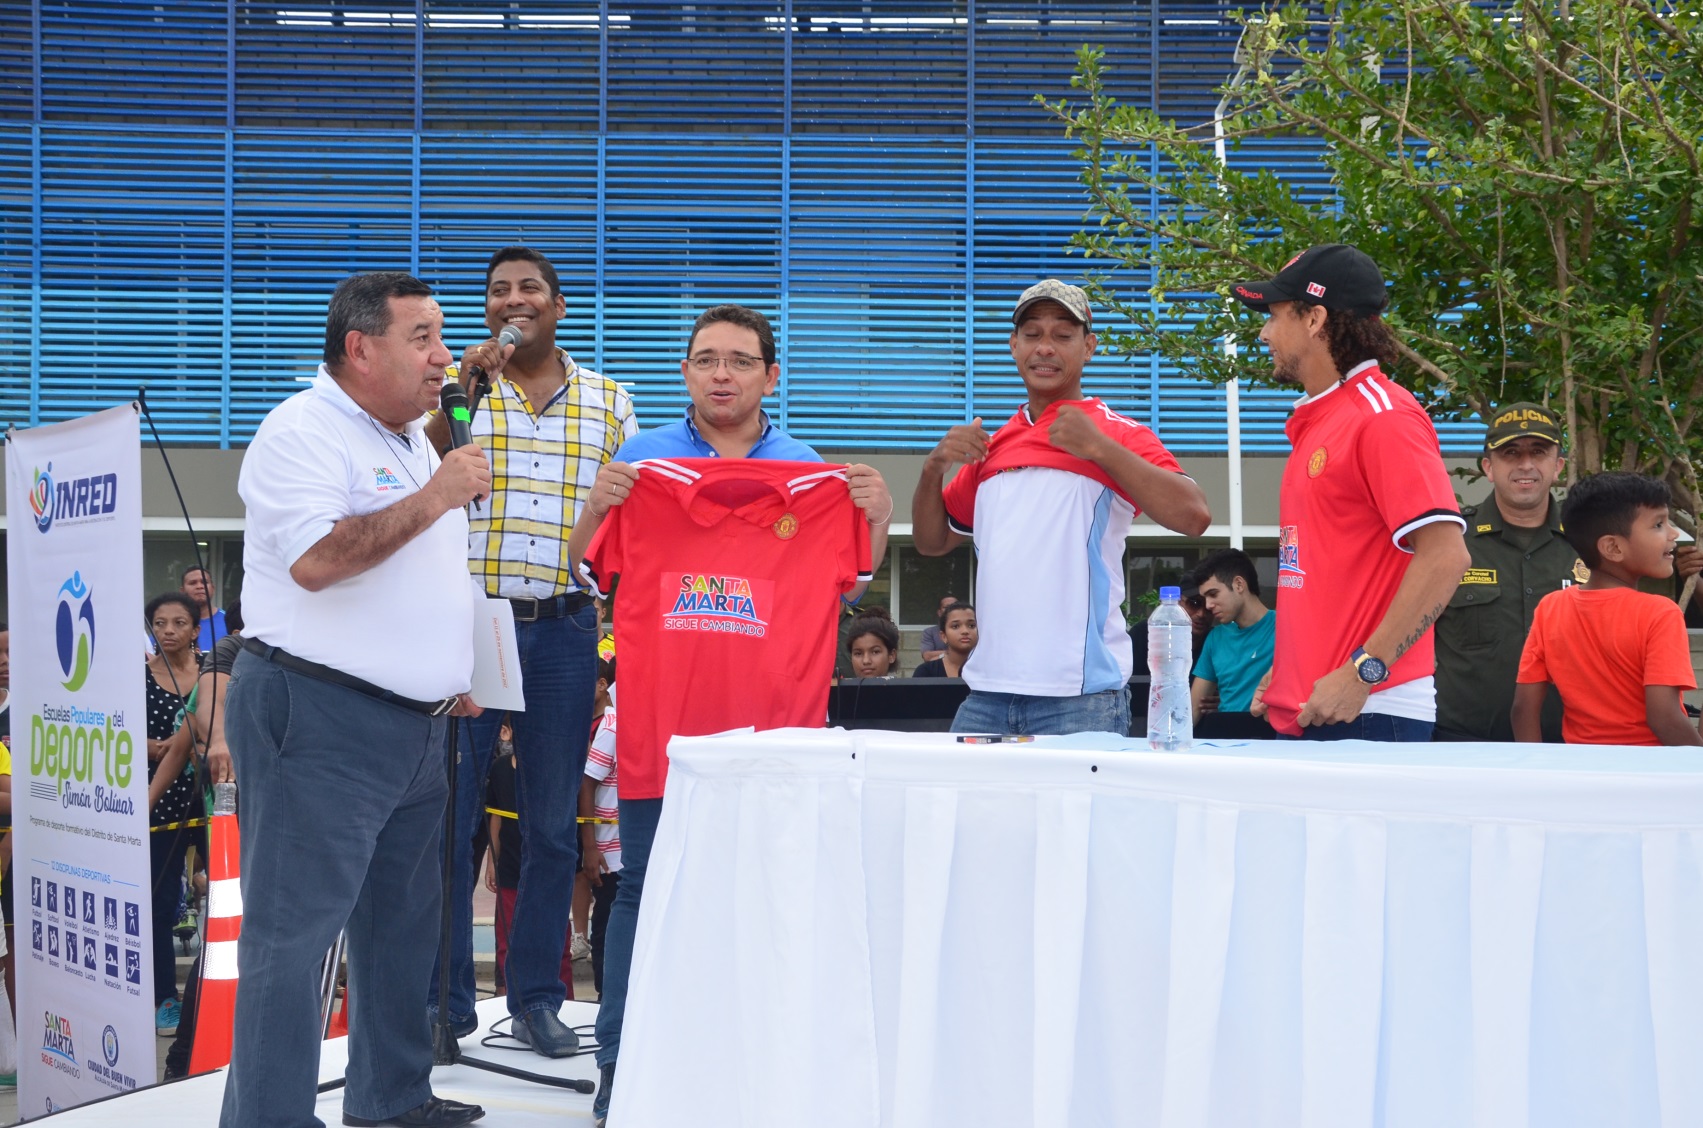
1425, 622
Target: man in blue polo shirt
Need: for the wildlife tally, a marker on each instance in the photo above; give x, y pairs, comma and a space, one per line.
1238, 650
730, 366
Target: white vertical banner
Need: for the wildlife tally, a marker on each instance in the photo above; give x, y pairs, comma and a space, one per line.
80, 761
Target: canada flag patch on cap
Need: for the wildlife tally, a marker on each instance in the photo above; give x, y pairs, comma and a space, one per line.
1315, 289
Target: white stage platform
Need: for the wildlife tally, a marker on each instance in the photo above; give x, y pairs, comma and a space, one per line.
508, 1102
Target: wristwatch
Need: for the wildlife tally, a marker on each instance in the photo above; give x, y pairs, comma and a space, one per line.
1371, 670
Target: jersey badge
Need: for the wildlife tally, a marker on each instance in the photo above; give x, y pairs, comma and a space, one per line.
787, 527
1316, 464
1289, 572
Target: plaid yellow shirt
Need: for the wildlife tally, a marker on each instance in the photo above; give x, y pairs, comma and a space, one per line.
542, 469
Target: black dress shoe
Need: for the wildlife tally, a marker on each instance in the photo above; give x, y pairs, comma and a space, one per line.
546, 1033
435, 1113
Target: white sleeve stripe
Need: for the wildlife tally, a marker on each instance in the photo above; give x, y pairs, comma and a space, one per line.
668, 469
1366, 393
590, 578
1431, 518
1383, 395
816, 477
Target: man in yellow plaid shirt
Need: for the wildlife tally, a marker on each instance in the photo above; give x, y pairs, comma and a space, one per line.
547, 425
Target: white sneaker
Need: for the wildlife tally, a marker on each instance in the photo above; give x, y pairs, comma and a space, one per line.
580, 949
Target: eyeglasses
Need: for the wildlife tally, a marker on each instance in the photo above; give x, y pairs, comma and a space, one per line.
744, 364
1194, 602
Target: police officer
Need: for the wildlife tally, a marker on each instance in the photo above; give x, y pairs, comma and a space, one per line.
1518, 557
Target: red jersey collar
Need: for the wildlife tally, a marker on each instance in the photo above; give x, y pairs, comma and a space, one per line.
714, 489
1052, 409
1354, 374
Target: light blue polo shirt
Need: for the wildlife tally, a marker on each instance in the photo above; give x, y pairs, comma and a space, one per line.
682, 440
1236, 659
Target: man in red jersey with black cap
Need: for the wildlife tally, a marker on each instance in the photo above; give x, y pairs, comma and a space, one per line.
1371, 544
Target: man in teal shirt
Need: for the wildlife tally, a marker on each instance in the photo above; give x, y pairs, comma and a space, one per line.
1238, 650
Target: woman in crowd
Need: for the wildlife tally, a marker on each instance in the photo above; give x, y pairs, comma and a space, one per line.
873, 643
958, 632
172, 671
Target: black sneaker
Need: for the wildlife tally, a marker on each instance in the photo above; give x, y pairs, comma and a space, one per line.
600, 1103
544, 1030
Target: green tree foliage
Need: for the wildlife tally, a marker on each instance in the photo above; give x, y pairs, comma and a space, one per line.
1526, 174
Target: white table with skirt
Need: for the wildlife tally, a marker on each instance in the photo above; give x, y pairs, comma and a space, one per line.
870, 928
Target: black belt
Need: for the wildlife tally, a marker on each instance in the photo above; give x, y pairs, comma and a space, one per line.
555, 607
348, 681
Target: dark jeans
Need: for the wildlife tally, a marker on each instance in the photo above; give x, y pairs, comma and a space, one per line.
342, 805
558, 667
166, 850
638, 830
602, 901
1369, 726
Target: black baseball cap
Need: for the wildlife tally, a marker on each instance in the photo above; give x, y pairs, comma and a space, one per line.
1333, 275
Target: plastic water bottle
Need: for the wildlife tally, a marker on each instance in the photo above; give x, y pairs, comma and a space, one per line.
1170, 648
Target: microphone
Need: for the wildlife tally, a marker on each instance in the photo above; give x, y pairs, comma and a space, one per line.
452, 398
475, 376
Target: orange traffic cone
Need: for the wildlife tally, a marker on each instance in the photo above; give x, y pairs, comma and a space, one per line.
216, 1008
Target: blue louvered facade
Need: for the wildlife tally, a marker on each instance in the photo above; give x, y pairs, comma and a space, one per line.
182, 182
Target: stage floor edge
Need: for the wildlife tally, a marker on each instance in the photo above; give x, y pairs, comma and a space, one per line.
509, 1102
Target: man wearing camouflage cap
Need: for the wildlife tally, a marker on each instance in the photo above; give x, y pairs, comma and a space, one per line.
1049, 499
1518, 557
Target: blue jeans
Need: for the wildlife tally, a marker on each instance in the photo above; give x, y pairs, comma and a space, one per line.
1368, 726
342, 805
558, 669
1018, 714
638, 830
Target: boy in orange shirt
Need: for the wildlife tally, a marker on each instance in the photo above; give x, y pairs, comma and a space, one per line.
1620, 658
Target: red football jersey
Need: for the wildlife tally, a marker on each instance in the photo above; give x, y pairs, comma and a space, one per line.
1366, 470
1022, 443
731, 572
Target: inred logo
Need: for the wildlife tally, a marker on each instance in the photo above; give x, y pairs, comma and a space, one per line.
1315, 289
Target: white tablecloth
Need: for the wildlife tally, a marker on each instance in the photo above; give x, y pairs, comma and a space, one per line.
889, 929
